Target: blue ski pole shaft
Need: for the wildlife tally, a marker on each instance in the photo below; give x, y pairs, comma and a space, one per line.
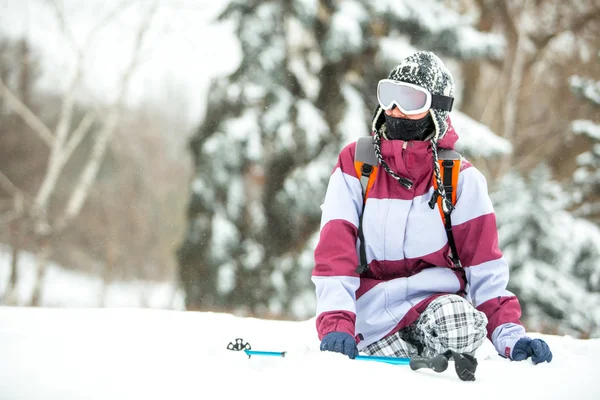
438, 363
265, 353
389, 360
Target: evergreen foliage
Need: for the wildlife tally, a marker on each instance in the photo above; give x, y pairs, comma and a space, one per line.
265, 151
586, 178
554, 257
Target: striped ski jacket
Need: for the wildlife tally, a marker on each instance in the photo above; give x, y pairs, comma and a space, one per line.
407, 249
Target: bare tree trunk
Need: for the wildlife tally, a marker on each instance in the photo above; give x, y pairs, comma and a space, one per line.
26, 114
107, 278
88, 176
145, 290
43, 255
176, 288
12, 293
471, 70
511, 100
15, 220
110, 260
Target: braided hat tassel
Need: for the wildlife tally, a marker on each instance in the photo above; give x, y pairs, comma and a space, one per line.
447, 206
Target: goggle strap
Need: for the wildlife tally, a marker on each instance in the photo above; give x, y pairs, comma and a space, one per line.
442, 102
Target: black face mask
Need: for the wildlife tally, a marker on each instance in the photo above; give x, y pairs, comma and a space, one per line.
409, 129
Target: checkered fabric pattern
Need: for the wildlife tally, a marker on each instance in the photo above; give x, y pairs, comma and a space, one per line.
449, 323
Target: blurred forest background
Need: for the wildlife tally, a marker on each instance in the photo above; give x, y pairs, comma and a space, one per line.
190, 142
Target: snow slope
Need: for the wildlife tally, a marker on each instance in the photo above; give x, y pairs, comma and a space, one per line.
158, 354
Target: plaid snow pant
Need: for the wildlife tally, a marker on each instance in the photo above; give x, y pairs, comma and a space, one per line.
449, 323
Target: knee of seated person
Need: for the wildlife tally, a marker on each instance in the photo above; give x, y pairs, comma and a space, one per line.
455, 317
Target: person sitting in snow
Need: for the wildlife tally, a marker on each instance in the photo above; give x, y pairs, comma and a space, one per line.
411, 299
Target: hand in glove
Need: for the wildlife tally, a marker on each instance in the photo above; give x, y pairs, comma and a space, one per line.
340, 342
537, 349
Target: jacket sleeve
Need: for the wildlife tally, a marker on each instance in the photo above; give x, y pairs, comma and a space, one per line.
476, 235
336, 257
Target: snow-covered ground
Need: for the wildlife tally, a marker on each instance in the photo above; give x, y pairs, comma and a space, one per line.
124, 351
157, 354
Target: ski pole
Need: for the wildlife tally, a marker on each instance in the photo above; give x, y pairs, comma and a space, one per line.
264, 353
388, 360
240, 345
465, 364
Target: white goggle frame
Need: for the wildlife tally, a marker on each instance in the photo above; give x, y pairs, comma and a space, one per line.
435, 101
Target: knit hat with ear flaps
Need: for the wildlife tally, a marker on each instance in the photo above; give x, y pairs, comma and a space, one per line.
426, 70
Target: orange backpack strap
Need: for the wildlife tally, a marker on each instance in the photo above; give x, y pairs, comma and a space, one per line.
449, 161
365, 164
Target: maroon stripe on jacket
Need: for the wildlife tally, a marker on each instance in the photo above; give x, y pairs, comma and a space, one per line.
336, 256
335, 321
464, 165
499, 311
346, 160
366, 284
385, 270
477, 240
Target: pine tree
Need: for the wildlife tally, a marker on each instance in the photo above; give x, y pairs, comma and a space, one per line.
586, 178
271, 135
554, 257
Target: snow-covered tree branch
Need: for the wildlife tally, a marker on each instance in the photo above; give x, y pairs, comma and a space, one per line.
587, 175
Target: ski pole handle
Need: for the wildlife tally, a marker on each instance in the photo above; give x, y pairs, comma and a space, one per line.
438, 363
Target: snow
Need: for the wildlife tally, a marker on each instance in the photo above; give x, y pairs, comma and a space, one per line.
312, 123
226, 281
345, 35
473, 134
437, 19
127, 352
67, 288
306, 9
225, 235
588, 88
587, 128
353, 124
393, 49
552, 255
117, 354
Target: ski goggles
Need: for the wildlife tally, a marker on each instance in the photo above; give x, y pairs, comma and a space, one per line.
410, 99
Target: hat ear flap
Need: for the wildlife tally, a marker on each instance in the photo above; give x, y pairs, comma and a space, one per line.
439, 120
378, 119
